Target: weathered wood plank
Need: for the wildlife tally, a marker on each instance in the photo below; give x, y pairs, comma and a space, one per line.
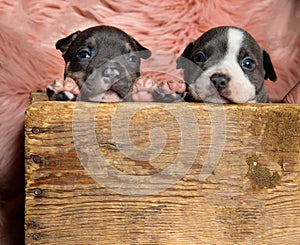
38, 96
224, 175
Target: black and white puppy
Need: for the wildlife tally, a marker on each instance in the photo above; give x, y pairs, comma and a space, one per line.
102, 63
226, 65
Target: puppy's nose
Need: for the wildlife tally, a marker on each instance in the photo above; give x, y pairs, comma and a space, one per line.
111, 72
220, 81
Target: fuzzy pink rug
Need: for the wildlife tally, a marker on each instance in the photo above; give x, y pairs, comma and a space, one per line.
29, 61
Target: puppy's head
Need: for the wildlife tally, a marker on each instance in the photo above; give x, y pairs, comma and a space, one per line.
226, 65
103, 60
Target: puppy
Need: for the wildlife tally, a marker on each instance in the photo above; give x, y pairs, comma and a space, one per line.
226, 65
101, 64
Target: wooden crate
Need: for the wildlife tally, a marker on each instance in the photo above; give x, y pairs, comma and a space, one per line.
151, 173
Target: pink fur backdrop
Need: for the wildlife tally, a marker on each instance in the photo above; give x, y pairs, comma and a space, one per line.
29, 60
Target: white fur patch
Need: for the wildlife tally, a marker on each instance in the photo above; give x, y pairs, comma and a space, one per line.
235, 38
242, 90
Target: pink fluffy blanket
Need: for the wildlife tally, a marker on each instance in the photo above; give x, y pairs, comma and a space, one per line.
29, 61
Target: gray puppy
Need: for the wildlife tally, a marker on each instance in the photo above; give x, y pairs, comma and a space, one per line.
103, 61
226, 65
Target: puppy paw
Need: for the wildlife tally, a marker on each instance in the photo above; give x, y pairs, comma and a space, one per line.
169, 91
143, 90
147, 90
63, 90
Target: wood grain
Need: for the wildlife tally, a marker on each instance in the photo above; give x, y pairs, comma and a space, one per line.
91, 178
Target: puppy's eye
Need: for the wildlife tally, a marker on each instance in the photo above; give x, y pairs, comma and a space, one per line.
248, 64
132, 59
84, 54
200, 57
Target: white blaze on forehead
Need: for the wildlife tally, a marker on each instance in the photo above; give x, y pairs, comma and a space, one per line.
240, 87
235, 39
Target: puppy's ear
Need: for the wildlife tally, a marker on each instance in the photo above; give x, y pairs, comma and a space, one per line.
145, 53
182, 59
268, 66
64, 43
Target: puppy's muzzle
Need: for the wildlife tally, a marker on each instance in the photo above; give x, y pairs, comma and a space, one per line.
220, 81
